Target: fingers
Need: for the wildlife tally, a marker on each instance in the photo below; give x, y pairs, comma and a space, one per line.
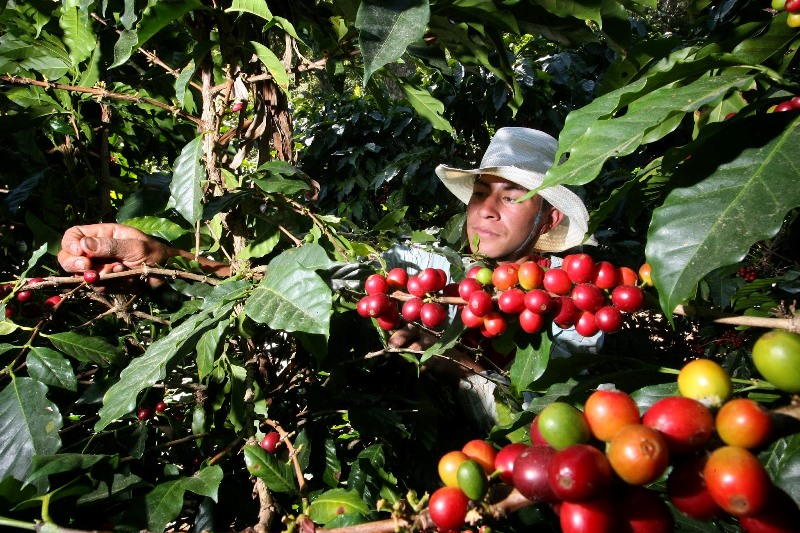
403, 337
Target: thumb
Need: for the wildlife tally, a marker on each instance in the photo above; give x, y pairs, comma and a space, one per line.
96, 247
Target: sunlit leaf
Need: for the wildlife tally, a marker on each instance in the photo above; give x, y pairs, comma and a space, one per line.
334, 502
386, 29
29, 423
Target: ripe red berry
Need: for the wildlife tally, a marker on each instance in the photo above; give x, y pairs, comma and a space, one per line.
609, 319
376, 283
557, 281
160, 407
587, 297
580, 268
531, 322
143, 413
432, 315
586, 324
628, 298
91, 276
389, 319
606, 275
480, 303
511, 301
24, 296
397, 278
538, 301
270, 441
52, 301
566, 314
494, 324
237, 106
411, 308
467, 286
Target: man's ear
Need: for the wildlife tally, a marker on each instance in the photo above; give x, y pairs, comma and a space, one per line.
551, 219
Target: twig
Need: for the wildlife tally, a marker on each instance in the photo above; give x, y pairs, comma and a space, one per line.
101, 94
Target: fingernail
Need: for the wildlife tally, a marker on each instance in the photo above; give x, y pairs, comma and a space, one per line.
90, 243
117, 268
74, 248
80, 264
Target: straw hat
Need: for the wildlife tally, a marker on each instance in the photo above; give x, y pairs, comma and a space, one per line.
523, 156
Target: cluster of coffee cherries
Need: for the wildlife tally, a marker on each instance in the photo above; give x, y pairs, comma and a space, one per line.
748, 273
600, 464
792, 7
591, 296
28, 303
31, 301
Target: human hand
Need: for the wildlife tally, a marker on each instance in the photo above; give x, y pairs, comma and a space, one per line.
453, 363
411, 337
109, 248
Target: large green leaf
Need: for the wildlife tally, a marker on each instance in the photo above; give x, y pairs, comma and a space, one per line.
387, 28
530, 362
186, 187
335, 502
427, 107
277, 475
29, 423
86, 349
164, 503
292, 297
273, 64
157, 227
746, 182
78, 35
256, 7
604, 138
151, 367
51, 368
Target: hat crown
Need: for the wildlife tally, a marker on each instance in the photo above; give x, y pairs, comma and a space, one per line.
522, 148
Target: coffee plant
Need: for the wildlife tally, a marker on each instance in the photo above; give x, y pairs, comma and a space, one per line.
296, 142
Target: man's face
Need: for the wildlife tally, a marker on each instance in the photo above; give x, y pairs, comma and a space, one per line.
504, 229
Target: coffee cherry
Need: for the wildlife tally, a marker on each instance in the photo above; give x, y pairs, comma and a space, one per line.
91, 276
411, 308
270, 441
376, 283
143, 413
160, 407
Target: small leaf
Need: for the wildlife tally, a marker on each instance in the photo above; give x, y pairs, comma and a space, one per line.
256, 7
530, 362
428, 107
335, 502
277, 475
157, 227
273, 64
186, 187
51, 368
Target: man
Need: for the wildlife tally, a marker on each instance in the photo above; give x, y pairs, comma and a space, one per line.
500, 226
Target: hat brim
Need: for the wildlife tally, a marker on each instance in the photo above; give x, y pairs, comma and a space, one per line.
569, 233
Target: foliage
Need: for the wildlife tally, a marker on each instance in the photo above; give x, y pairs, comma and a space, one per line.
124, 112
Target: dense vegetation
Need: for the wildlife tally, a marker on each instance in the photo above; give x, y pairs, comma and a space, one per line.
298, 140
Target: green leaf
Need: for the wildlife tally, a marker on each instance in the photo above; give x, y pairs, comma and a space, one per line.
151, 367
256, 7
164, 503
783, 463
86, 349
157, 227
186, 187
604, 138
78, 35
157, 16
273, 64
277, 475
743, 184
391, 220
182, 82
386, 29
51, 368
29, 423
578, 10
427, 107
264, 236
292, 298
530, 361
335, 502
45, 465
207, 348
